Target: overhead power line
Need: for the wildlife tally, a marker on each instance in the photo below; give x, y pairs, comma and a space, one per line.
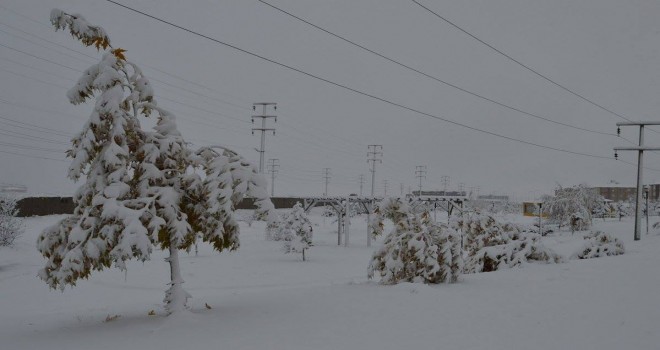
399, 63
217, 41
519, 62
31, 156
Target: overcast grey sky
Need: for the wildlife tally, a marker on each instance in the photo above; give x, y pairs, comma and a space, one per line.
605, 50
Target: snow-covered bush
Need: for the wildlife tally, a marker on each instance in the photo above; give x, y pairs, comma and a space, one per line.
598, 244
295, 230
11, 226
526, 247
416, 250
141, 188
492, 245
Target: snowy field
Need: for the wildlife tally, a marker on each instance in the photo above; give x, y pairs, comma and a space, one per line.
260, 298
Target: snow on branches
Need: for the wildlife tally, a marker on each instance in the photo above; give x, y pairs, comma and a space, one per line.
491, 245
295, 230
598, 244
11, 226
573, 206
416, 250
141, 188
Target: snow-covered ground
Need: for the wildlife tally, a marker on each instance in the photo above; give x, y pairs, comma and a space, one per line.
261, 298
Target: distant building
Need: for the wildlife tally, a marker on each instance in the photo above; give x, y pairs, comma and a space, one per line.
493, 198
6, 188
438, 193
618, 193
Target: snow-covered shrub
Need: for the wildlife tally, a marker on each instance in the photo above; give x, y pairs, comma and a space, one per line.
11, 226
598, 244
522, 248
491, 245
141, 188
416, 250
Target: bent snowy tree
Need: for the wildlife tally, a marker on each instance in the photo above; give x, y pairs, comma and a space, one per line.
141, 188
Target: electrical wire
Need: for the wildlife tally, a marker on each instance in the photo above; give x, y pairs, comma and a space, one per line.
452, 85
520, 63
411, 109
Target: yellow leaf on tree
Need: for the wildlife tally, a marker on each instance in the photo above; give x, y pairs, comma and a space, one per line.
119, 53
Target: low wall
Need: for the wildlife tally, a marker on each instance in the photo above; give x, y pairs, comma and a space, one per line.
39, 206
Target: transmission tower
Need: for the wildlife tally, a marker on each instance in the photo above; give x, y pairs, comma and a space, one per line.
361, 181
263, 129
374, 155
384, 188
273, 164
326, 177
420, 173
445, 182
461, 188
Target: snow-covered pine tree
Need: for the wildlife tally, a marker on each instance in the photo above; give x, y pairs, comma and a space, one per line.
11, 226
141, 188
416, 250
110, 223
295, 231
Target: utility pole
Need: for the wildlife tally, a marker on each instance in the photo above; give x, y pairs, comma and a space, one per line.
640, 164
420, 173
385, 188
445, 183
326, 177
263, 129
401, 188
361, 180
273, 164
374, 155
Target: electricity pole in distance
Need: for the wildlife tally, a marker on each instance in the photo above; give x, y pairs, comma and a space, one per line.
420, 173
273, 164
326, 177
361, 181
374, 155
263, 129
640, 164
445, 183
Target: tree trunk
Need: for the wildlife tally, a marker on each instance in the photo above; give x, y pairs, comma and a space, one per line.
176, 297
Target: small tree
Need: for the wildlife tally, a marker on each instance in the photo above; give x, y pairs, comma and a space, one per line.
573, 206
295, 230
416, 250
11, 226
142, 188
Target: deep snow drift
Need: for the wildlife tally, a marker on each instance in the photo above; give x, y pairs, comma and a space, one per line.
261, 298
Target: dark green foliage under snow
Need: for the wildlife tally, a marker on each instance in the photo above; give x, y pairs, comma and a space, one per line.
598, 244
491, 245
416, 250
